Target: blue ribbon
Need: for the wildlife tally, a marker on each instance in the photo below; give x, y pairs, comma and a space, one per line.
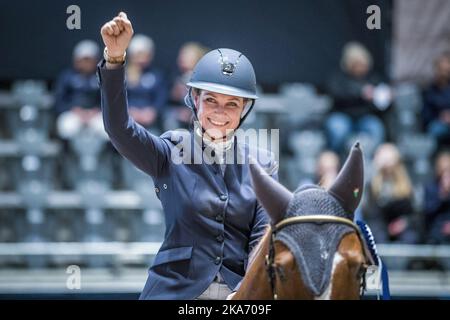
370, 240
385, 282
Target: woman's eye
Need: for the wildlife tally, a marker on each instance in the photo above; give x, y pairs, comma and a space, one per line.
211, 100
232, 104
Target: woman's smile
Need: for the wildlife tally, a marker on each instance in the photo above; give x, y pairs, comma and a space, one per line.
218, 123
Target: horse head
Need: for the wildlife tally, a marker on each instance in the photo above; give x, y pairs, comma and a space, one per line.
312, 250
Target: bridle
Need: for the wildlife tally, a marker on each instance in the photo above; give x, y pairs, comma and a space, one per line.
270, 257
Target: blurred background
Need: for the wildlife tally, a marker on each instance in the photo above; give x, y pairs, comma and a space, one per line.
69, 202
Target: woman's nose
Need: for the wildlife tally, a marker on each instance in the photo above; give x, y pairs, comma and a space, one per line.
220, 108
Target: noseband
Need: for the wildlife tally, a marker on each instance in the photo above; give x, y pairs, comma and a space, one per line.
270, 257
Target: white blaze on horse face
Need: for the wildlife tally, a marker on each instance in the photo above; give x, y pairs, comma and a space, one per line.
326, 295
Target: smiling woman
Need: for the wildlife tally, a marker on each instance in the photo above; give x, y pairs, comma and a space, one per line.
213, 219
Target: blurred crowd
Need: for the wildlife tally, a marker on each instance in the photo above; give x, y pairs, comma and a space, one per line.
150, 91
361, 100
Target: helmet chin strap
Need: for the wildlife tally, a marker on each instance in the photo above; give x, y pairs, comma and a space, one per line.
248, 107
218, 145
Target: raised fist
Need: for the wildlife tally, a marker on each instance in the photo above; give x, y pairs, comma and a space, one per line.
117, 35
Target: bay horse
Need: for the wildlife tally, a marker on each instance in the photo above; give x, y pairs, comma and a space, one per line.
312, 249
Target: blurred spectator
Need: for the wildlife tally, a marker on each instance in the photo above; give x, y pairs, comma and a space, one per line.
359, 97
188, 56
77, 94
389, 206
146, 86
437, 202
327, 169
436, 109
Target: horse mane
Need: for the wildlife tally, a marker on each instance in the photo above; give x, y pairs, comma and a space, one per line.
257, 249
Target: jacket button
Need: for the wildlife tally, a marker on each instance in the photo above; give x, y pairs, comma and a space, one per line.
220, 238
223, 197
157, 189
217, 260
219, 218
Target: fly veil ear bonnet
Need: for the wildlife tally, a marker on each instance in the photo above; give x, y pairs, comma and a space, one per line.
313, 244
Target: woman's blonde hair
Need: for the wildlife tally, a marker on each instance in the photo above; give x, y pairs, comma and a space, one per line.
198, 49
355, 51
141, 43
389, 166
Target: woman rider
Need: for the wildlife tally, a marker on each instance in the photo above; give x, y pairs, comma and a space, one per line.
212, 217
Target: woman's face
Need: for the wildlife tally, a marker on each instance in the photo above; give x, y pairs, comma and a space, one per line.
358, 68
442, 68
85, 65
141, 58
187, 59
386, 159
218, 113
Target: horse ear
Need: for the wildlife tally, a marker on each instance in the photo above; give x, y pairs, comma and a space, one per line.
349, 184
273, 196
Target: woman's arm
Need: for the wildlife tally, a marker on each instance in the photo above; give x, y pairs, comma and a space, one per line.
147, 152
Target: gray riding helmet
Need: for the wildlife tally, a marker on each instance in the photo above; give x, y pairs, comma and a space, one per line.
225, 71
